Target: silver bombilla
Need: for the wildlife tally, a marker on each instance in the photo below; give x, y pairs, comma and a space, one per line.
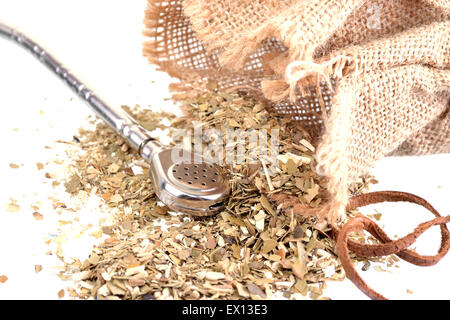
189, 185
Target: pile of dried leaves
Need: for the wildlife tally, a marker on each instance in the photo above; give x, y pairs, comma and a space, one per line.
251, 250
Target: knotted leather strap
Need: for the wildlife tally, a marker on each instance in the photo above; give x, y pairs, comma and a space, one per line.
387, 246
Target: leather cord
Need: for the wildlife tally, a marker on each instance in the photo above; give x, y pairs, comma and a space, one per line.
388, 246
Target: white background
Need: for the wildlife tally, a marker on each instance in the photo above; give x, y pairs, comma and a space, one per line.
101, 42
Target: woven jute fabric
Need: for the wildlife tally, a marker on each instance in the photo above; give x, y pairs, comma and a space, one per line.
367, 78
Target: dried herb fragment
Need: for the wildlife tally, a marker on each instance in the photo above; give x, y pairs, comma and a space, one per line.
73, 185
12, 206
38, 216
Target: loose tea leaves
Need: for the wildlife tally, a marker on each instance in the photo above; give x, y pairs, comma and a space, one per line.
250, 250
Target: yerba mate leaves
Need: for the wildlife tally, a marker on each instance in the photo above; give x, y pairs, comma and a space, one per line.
251, 250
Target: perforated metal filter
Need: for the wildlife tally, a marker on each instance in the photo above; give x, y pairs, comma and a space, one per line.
196, 188
201, 175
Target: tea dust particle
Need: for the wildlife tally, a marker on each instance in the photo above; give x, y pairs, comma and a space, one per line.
73, 185
12, 207
38, 216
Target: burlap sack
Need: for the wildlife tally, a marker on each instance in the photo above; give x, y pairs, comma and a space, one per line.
366, 78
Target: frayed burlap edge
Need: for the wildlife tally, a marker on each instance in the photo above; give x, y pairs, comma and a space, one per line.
299, 73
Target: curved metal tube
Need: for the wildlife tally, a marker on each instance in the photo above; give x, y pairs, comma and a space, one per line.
118, 119
180, 185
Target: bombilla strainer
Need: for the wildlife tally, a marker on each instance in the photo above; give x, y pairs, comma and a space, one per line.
187, 185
